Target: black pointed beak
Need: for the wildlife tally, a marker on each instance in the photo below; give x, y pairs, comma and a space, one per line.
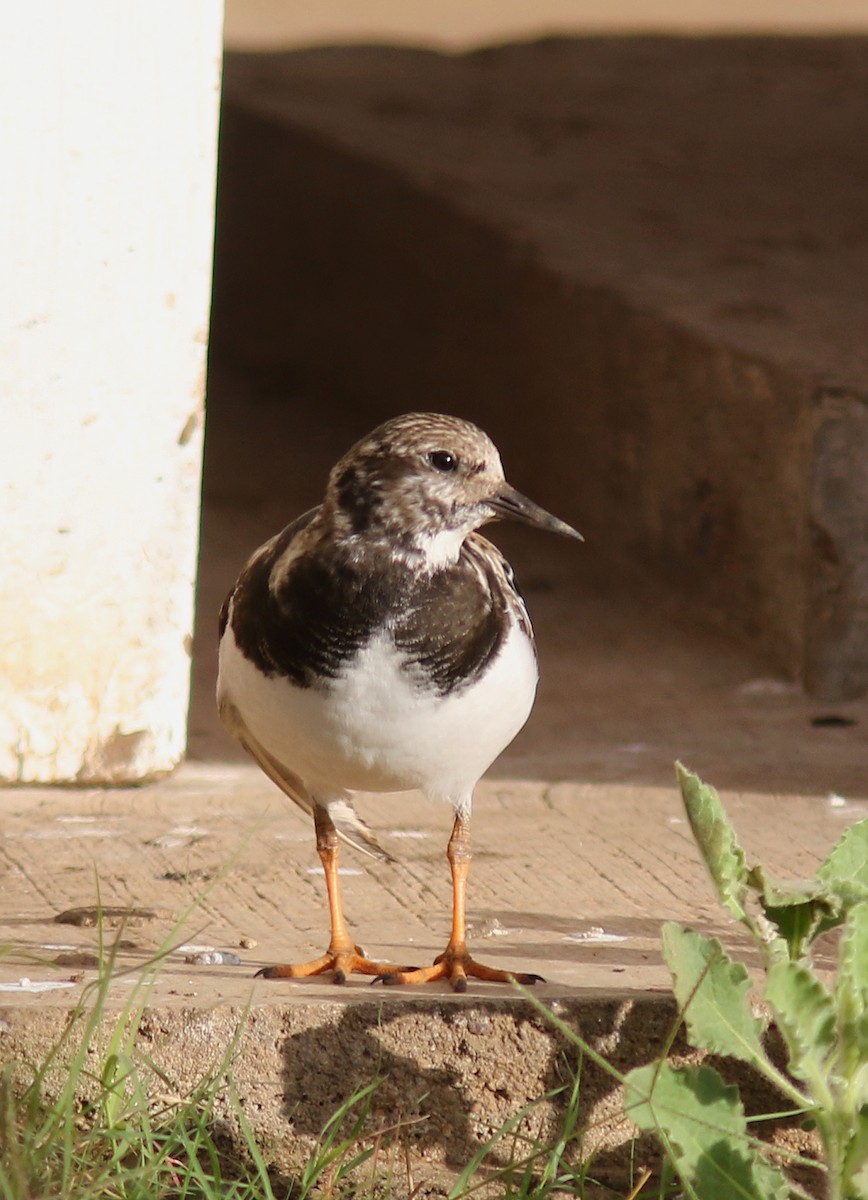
513, 506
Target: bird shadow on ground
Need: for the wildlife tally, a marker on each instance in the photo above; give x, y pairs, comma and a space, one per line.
451, 1075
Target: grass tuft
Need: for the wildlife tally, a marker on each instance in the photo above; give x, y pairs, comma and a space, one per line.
97, 1120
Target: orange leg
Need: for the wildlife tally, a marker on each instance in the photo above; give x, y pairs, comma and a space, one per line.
455, 963
343, 956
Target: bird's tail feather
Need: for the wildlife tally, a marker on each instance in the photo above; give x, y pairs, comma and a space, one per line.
354, 830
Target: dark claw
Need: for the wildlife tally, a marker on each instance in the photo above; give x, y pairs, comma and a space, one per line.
530, 980
265, 973
388, 977
460, 984
339, 977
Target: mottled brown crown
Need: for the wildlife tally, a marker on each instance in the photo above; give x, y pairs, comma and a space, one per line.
415, 476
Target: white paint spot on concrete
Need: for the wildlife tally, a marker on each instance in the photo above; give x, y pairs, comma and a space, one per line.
35, 985
490, 927
212, 958
178, 836
839, 806
596, 933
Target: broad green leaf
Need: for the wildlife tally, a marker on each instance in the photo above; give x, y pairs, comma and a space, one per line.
799, 909
711, 991
701, 1123
805, 1013
845, 871
716, 839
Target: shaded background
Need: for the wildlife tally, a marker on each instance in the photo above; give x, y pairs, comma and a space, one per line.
637, 262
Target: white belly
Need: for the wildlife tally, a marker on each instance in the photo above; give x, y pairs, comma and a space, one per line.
375, 731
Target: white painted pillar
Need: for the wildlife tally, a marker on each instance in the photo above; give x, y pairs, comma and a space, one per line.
108, 153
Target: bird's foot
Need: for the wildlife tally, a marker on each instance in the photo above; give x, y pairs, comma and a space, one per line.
456, 965
341, 963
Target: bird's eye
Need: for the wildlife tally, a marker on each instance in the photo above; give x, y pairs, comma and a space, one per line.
443, 460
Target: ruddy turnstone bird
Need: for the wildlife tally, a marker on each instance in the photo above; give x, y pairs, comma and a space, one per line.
380, 644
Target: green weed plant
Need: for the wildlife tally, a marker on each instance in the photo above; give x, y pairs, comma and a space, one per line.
699, 1119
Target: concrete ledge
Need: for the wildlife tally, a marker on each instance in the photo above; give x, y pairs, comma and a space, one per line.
451, 1074
636, 262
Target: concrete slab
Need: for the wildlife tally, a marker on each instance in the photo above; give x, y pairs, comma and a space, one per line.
569, 880
270, 24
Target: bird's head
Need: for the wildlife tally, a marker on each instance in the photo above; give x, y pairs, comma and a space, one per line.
424, 481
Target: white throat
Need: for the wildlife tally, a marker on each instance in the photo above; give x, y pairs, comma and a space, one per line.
441, 548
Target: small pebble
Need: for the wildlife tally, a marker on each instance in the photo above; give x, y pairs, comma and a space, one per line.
247, 943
